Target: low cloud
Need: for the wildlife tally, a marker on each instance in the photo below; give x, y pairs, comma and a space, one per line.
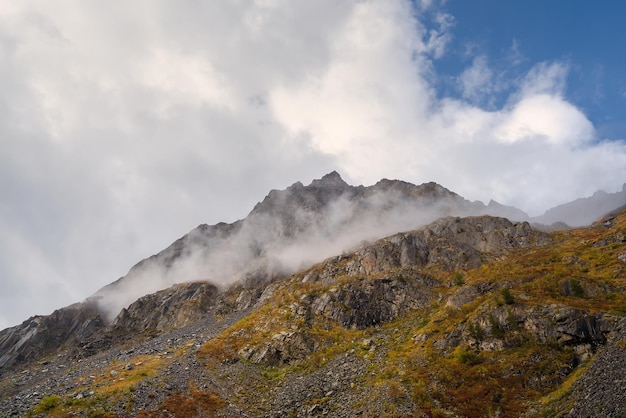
290, 230
124, 125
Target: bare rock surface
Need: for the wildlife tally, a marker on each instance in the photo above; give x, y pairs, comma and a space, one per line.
602, 390
43, 335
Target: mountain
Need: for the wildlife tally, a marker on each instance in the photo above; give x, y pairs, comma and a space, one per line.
291, 229
474, 316
336, 300
584, 211
296, 227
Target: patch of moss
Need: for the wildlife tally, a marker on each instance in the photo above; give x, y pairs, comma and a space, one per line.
47, 404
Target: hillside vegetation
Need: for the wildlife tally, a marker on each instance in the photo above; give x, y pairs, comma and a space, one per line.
468, 317
510, 336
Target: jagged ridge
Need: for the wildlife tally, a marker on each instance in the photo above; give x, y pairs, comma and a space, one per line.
288, 230
409, 278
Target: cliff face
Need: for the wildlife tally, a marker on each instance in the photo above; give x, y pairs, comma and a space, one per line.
42, 335
168, 309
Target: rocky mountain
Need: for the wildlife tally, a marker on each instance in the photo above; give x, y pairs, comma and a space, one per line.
301, 225
289, 230
301, 309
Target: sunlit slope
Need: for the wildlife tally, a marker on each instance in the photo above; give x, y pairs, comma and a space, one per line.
466, 317
506, 337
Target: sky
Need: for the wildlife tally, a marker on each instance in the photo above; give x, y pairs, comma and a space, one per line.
123, 125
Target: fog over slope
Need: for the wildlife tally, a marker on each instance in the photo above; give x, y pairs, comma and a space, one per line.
301, 225
291, 229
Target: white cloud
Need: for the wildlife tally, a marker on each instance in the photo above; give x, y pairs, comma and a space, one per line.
477, 80
439, 38
124, 125
546, 118
370, 97
514, 54
348, 112
187, 79
545, 78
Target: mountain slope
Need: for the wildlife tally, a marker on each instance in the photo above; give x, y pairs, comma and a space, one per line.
471, 317
301, 225
290, 229
303, 308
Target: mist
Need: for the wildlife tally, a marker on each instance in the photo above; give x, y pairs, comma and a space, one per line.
117, 118
289, 231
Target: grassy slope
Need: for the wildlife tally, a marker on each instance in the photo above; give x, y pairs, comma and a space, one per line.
410, 366
465, 380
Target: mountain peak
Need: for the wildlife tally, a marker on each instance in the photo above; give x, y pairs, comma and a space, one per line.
330, 180
311, 197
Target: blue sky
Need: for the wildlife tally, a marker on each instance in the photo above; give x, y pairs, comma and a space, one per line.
514, 35
123, 125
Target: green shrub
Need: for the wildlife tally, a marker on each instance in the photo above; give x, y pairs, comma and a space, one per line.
475, 331
458, 279
497, 330
46, 404
577, 289
507, 296
466, 356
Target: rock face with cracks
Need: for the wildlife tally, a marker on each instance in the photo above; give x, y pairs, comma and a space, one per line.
171, 308
43, 335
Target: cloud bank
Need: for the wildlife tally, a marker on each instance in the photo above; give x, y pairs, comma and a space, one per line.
124, 125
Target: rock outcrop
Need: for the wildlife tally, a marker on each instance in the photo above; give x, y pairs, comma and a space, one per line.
600, 391
42, 335
382, 279
172, 308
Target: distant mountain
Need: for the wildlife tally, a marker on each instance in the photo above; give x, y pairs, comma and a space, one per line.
584, 211
509, 212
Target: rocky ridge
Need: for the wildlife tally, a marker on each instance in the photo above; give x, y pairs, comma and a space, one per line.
467, 316
357, 333
329, 215
291, 229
